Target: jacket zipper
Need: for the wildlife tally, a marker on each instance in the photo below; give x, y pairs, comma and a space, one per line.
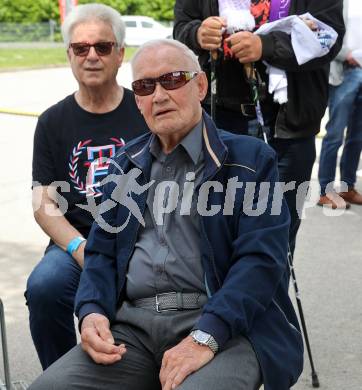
208, 292
136, 233
212, 257
207, 239
133, 244
285, 317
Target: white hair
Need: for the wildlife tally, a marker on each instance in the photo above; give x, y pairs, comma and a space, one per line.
156, 43
94, 12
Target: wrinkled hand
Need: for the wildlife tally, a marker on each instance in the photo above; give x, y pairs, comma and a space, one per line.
209, 34
181, 361
246, 46
97, 340
351, 60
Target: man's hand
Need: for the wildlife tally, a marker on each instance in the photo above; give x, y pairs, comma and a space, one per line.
246, 46
78, 255
310, 23
181, 361
209, 34
351, 60
97, 340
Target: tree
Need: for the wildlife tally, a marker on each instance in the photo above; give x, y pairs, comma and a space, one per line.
28, 11
125, 7
158, 9
34, 11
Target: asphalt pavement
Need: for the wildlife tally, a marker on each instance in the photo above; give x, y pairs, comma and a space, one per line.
327, 259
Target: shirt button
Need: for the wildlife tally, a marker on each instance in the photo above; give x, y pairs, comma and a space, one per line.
168, 169
162, 241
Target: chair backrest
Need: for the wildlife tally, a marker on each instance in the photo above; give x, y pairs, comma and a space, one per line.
4, 347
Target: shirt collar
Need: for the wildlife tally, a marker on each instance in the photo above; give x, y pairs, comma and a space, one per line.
192, 143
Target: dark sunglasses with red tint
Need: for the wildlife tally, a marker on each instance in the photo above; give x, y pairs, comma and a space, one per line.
81, 49
169, 81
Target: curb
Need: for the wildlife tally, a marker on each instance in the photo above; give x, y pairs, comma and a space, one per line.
10, 111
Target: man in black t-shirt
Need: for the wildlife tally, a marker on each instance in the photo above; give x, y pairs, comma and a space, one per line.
73, 140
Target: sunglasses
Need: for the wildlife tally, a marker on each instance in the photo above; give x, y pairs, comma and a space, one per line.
81, 49
169, 81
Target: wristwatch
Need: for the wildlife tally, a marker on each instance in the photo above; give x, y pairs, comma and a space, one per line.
202, 338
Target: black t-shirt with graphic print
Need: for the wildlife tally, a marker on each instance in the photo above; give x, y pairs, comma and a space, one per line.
68, 144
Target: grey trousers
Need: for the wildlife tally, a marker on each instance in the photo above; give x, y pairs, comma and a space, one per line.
147, 335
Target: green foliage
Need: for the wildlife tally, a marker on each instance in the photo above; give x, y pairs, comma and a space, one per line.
34, 11
158, 9
28, 11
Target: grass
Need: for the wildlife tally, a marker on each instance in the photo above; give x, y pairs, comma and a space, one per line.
25, 58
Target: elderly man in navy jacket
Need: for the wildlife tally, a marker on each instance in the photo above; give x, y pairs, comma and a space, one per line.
185, 278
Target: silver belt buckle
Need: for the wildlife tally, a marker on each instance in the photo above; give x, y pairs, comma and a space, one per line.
158, 303
243, 109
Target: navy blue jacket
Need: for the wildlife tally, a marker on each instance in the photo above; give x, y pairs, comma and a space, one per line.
244, 256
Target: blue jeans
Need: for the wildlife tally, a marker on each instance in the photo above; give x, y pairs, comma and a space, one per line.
50, 294
296, 157
345, 110
295, 163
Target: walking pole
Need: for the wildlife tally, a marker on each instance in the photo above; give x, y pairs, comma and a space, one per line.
251, 75
253, 82
213, 86
315, 380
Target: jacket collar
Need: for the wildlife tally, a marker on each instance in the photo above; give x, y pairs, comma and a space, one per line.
215, 151
138, 151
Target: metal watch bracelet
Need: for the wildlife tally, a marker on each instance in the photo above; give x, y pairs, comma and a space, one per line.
202, 338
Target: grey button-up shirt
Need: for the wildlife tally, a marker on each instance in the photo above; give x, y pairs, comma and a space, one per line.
167, 252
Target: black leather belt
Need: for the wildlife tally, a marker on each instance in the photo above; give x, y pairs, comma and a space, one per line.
172, 301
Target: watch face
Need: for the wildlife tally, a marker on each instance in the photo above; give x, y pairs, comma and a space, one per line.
202, 337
